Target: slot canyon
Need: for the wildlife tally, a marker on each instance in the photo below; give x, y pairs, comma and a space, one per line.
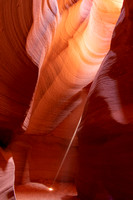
66, 100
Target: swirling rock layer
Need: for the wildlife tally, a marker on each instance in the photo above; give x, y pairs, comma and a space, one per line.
105, 135
78, 48
17, 73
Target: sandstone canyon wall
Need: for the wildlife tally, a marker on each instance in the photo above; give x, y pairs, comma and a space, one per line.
65, 75
17, 73
105, 134
18, 77
66, 42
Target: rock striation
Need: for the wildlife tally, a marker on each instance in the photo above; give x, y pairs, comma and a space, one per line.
105, 134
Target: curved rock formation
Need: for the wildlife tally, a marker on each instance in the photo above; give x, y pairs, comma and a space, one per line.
67, 40
17, 81
63, 76
45, 19
105, 135
7, 176
16, 88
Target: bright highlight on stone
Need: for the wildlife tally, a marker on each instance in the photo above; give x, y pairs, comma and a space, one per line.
50, 189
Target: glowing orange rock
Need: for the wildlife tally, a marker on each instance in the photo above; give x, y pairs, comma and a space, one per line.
64, 75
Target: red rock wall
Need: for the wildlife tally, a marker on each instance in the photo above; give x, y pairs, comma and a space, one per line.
7, 176
17, 73
77, 50
17, 81
73, 55
105, 134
